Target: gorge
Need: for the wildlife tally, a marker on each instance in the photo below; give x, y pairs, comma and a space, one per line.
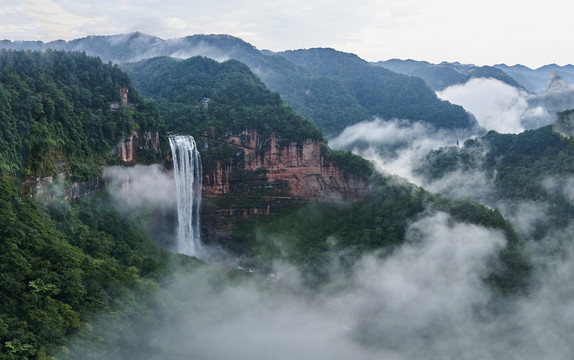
338, 260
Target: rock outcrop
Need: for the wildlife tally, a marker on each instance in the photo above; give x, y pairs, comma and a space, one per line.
271, 166
59, 186
247, 175
134, 146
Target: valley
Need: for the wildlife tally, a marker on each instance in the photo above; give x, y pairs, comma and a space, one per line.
339, 207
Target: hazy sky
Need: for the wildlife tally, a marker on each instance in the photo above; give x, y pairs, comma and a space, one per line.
480, 32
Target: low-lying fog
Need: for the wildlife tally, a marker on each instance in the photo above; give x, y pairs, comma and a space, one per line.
427, 300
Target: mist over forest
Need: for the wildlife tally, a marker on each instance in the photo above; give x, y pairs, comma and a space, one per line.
349, 209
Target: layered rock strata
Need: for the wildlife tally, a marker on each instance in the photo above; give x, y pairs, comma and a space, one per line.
276, 167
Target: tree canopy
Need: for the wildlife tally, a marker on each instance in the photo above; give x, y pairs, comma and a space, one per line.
56, 112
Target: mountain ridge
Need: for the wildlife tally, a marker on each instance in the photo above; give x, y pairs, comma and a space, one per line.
324, 99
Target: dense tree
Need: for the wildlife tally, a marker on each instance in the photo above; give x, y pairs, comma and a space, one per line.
197, 94
314, 236
521, 167
379, 91
56, 113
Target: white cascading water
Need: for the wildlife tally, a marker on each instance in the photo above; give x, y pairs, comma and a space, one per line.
187, 173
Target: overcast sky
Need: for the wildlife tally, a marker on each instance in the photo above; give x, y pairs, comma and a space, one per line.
482, 32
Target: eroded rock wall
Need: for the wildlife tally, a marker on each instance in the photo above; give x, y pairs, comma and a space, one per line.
279, 167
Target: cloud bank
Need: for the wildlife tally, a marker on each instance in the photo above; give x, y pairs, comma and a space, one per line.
497, 105
140, 186
395, 146
427, 300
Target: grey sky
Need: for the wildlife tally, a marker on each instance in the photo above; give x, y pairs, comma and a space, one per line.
483, 33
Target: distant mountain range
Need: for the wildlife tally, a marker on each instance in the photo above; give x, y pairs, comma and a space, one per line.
333, 88
445, 74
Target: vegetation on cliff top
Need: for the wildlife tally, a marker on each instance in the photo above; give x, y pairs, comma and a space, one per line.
63, 261
56, 114
198, 94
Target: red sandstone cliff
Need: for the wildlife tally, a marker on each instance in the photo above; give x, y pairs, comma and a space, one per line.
287, 168
129, 148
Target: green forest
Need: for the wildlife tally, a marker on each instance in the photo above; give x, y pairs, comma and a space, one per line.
197, 94
56, 113
519, 166
65, 260
71, 267
374, 90
331, 88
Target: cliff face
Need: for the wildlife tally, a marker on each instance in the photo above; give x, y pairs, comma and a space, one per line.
247, 175
275, 167
134, 145
58, 186
138, 146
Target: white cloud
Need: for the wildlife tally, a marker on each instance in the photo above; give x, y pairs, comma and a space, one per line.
420, 302
9, 10
140, 186
375, 30
497, 105
563, 185
379, 132
53, 20
395, 146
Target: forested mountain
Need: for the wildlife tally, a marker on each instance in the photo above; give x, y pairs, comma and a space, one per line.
382, 92
535, 166
443, 75
333, 100
57, 116
82, 280
63, 261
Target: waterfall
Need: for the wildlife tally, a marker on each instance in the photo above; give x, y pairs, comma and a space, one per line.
187, 173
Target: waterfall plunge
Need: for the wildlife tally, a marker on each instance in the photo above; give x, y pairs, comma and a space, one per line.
187, 172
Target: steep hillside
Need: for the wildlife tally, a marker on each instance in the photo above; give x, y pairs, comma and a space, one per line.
353, 93
382, 92
58, 115
534, 166
63, 261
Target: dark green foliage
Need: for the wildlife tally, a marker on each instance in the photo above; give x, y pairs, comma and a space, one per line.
58, 267
56, 115
200, 94
331, 88
379, 91
520, 161
518, 165
348, 162
317, 235
62, 264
